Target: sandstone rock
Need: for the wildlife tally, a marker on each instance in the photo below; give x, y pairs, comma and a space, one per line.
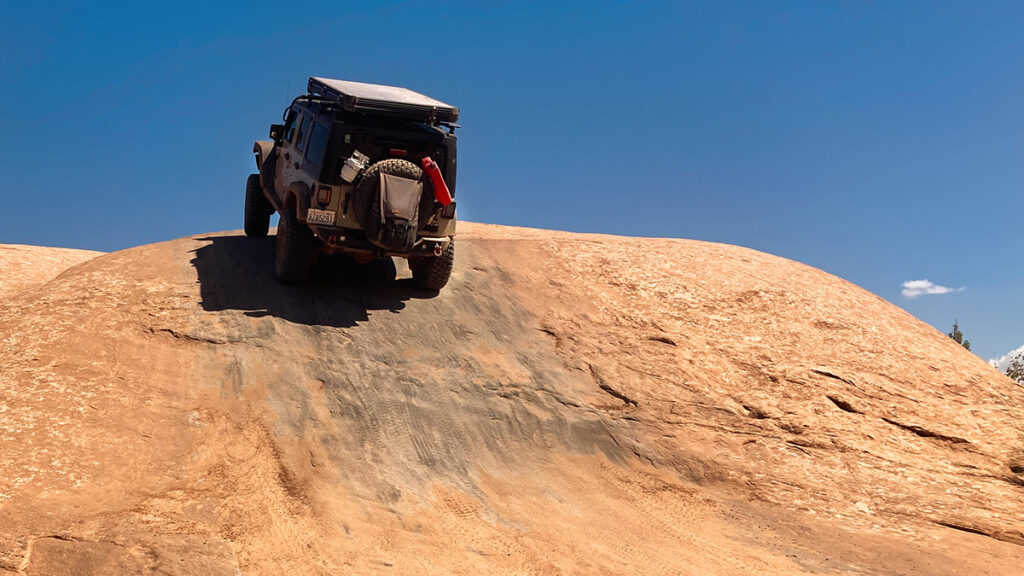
569, 404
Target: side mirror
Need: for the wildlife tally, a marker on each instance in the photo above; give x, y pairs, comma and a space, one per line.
276, 132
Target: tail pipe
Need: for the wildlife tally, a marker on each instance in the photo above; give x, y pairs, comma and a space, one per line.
441, 192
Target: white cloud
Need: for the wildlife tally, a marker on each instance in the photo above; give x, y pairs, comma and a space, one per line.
915, 288
1001, 364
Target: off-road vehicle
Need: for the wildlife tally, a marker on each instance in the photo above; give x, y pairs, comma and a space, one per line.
363, 169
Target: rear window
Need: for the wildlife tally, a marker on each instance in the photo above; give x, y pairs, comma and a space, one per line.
317, 143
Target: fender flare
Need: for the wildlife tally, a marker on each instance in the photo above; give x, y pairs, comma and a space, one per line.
298, 196
266, 163
262, 150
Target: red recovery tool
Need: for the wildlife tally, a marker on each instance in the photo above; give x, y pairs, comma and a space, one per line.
440, 188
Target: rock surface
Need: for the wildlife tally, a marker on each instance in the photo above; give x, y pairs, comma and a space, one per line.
570, 404
23, 267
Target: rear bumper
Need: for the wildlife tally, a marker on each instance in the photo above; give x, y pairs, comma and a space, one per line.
344, 240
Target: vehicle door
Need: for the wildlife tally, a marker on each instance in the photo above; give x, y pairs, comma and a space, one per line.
290, 159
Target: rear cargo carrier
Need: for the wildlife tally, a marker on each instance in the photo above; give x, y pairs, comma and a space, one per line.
383, 100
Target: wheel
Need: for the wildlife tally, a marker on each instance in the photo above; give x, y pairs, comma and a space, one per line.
257, 209
433, 272
295, 243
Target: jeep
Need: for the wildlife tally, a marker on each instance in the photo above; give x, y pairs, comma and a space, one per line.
360, 169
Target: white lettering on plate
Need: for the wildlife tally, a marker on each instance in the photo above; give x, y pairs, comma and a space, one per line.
315, 216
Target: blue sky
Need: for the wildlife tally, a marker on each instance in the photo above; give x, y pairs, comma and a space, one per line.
880, 141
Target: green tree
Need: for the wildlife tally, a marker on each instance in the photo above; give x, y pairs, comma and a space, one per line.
958, 336
1016, 368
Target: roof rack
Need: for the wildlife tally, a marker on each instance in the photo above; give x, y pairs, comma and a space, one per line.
384, 100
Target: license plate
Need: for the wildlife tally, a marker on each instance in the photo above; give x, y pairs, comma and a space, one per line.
315, 216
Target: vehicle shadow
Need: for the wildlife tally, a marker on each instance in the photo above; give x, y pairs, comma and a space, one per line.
237, 273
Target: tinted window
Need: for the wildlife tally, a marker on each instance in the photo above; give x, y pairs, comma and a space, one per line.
301, 135
317, 143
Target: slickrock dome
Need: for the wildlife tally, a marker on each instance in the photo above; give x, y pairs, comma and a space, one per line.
569, 404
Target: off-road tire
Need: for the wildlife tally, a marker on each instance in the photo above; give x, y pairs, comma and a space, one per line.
367, 208
295, 244
257, 209
433, 272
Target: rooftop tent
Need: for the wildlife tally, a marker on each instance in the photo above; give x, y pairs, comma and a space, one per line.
385, 100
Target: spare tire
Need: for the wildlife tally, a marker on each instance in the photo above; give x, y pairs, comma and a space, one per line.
365, 202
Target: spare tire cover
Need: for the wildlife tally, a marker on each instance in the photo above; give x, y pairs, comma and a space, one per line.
369, 184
